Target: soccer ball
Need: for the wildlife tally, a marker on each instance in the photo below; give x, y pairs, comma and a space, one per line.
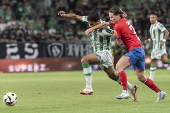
10, 99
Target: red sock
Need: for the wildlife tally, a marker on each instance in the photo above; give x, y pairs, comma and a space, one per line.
123, 79
152, 85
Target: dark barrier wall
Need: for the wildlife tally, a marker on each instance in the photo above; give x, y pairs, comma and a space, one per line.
42, 50
52, 64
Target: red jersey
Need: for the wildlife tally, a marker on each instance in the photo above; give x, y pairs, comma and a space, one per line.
124, 30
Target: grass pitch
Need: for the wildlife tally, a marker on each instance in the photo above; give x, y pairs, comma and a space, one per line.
58, 92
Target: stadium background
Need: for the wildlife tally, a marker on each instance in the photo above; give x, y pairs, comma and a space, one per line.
34, 38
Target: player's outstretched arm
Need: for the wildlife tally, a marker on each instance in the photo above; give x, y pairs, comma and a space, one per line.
102, 25
72, 16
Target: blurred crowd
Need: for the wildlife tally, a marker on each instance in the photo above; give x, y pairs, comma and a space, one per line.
38, 21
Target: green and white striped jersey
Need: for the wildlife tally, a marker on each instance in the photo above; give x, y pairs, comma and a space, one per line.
157, 34
101, 38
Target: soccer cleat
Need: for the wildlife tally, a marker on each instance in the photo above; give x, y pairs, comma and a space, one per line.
87, 91
123, 96
161, 96
133, 92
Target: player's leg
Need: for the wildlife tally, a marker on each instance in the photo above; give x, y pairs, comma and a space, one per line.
121, 64
128, 59
106, 64
148, 82
114, 76
165, 59
152, 68
86, 61
156, 55
140, 72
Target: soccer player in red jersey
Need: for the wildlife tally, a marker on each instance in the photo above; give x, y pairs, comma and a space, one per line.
125, 35
102, 56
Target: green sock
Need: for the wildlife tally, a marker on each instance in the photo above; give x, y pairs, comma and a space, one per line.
88, 75
152, 72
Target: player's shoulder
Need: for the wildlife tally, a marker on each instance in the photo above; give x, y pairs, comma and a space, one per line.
121, 23
123, 20
159, 24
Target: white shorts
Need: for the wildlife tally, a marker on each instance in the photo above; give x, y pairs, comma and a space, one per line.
105, 59
157, 54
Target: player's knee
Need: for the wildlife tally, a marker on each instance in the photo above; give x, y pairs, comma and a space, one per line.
84, 60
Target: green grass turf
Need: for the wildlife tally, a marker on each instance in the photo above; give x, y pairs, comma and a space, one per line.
58, 92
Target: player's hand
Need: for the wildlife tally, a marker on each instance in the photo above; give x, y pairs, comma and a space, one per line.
61, 13
88, 31
147, 41
162, 43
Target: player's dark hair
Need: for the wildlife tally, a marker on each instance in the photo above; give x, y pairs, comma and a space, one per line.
153, 13
93, 16
116, 10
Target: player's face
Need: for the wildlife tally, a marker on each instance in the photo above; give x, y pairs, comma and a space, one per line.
153, 19
92, 24
114, 18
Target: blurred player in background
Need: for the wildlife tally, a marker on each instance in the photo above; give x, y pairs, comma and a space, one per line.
125, 34
101, 40
158, 34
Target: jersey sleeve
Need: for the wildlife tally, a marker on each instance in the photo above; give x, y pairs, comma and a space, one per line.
108, 31
161, 27
84, 18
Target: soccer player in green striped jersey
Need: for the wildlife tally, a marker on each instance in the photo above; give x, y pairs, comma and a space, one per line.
159, 34
101, 40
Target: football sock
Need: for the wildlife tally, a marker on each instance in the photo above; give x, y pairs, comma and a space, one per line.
129, 85
88, 75
123, 79
124, 91
118, 81
151, 85
152, 72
